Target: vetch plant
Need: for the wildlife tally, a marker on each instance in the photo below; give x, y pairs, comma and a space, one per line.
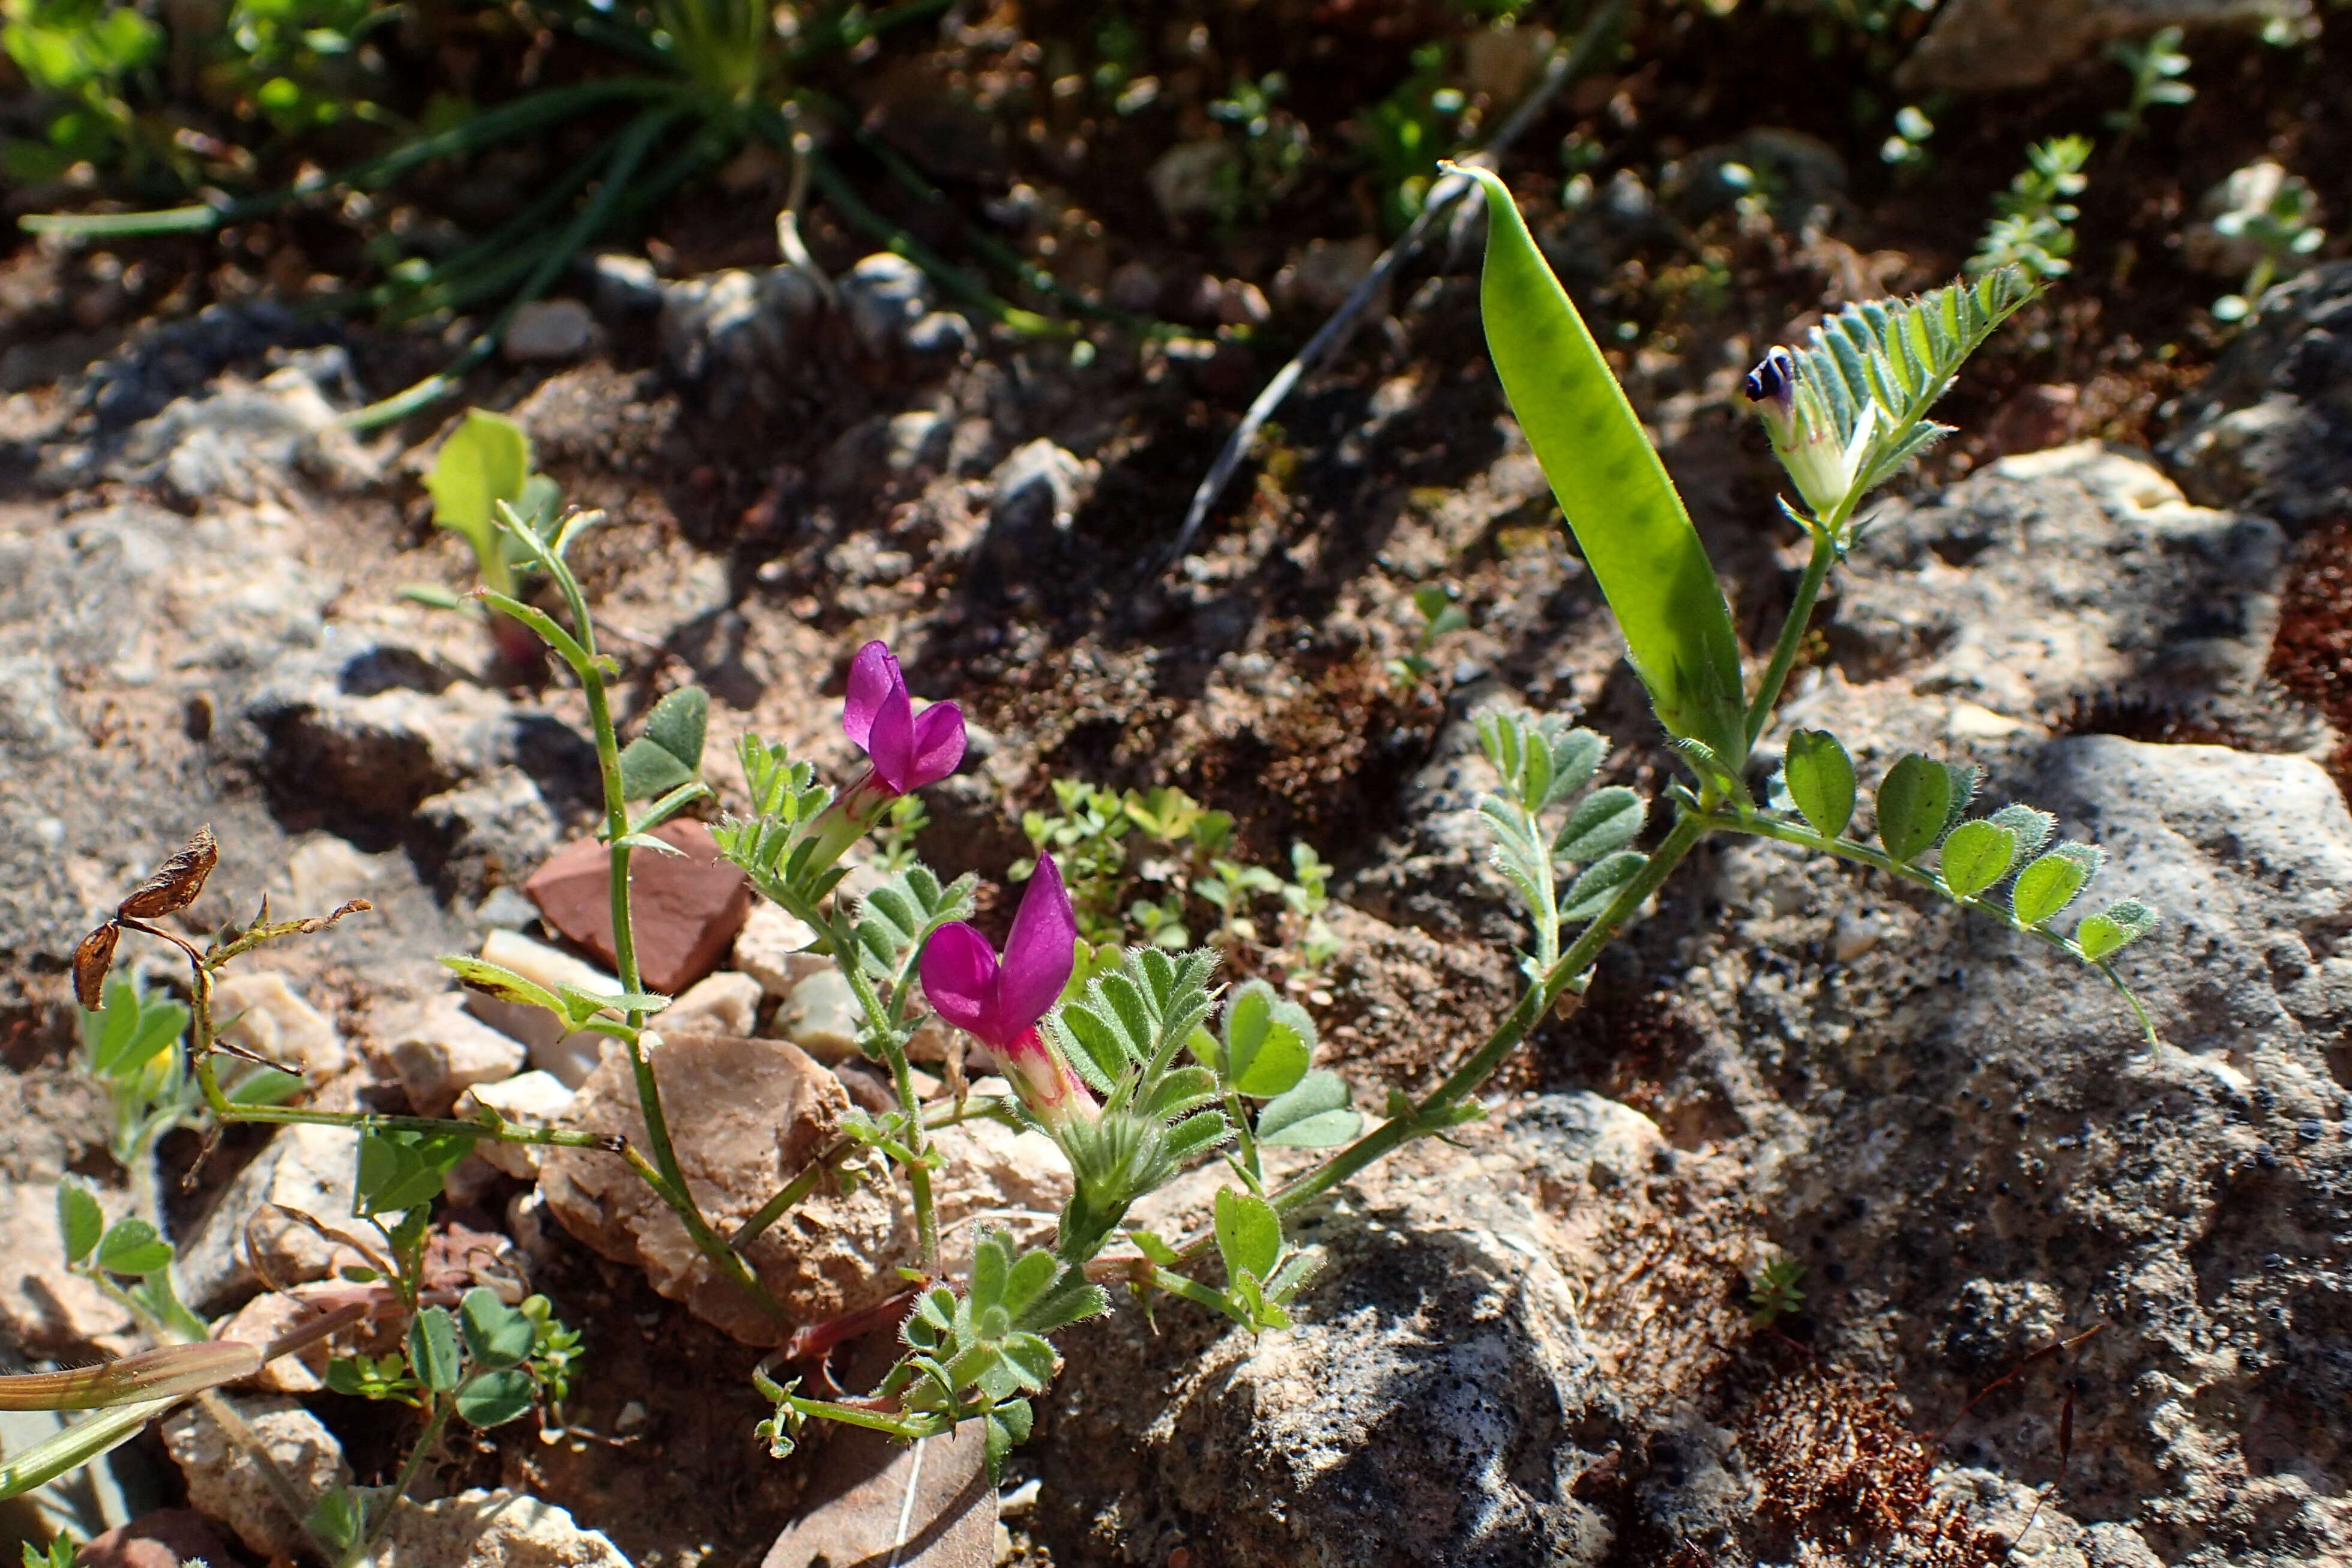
2272, 215
2157, 67
1130, 1057
2035, 229
484, 463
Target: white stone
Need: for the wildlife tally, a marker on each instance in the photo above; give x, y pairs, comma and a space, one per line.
530, 1099
822, 1017
726, 1003
547, 331
266, 1318
444, 1050
265, 1014
305, 1168
570, 1056
325, 872
497, 1529
222, 1481
771, 948
45, 1310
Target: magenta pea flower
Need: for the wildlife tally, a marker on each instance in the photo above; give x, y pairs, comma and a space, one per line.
1001, 1002
907, 750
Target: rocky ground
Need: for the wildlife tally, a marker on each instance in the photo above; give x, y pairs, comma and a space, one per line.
1532, 1346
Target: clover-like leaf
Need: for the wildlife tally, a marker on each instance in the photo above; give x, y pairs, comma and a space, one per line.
404, 1169
1314, 1115
496, 1335
1248, 1232
1603, 822
1914, 802
81, 1221
494, 1398
667, 752
1821, 781
433, 1350
132, 1246
2100, 935
1976, 856
1269, 1041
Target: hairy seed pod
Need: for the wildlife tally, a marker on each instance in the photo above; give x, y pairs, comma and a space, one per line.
91, 959
176, 883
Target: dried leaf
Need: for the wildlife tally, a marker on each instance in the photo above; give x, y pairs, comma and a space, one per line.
91, 959
176, 883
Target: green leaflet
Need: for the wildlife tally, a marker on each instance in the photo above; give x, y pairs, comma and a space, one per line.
1626, 516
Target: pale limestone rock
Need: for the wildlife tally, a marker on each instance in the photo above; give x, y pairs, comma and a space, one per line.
443, 1050
222, 1480
771, 948
499, 1529
265, 1014
532, 1099
45, 1308
308, 1169
571, 1056
726, 1003
822, 1017
746, 1115
264, 1319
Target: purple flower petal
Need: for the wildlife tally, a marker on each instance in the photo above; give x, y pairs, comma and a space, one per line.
891, 740
959, 977
1038, 955
939, 744
873, 676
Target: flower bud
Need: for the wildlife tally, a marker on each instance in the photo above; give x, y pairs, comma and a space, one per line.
1803, 437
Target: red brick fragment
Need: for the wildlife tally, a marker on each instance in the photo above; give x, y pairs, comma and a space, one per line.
687, 907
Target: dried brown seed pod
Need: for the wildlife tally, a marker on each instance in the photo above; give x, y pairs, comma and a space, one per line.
176, 883
91, 959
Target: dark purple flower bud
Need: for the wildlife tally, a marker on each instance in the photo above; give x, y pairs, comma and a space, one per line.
1774, 380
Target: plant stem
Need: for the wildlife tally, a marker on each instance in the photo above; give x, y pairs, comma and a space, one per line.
1804, 837
1793, 630
806, 1182
442, 1406
887, 1025
663, 1173
1429, 1114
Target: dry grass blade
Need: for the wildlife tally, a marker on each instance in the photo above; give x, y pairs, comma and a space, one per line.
163, 1373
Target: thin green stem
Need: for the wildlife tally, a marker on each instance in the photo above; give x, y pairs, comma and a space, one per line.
1803, 837
635, 143
1245, 1140
1192, 1290
887, 1025
1793, 630
1433, 1112
806, 1182
425, 1440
